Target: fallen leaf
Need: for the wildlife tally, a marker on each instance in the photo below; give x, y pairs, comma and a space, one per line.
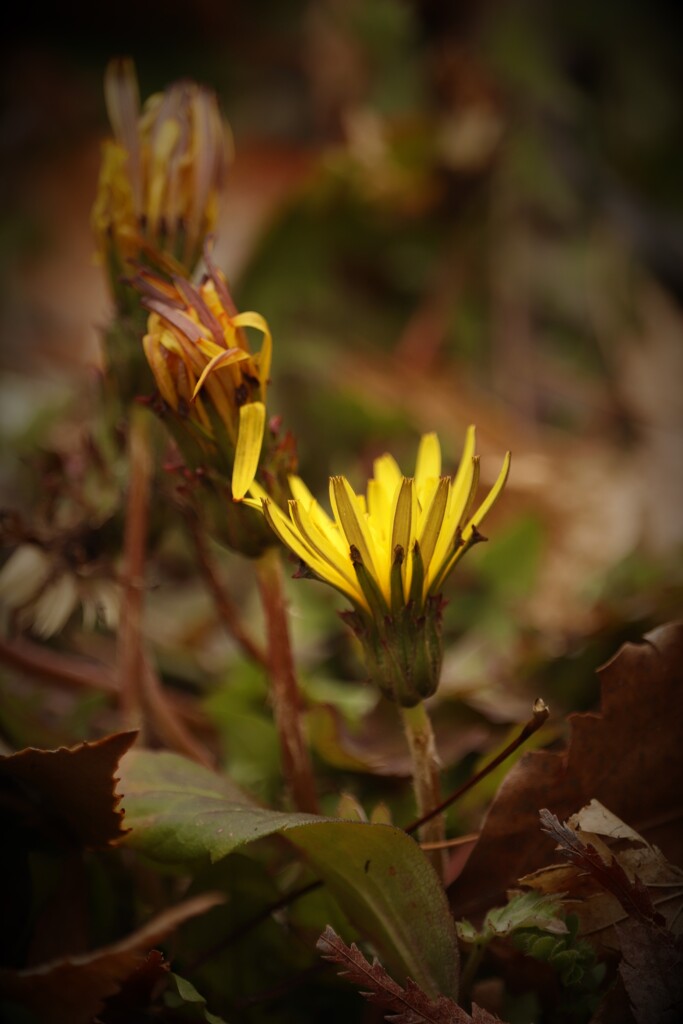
75, 786
604, 868
72, 990
651, 970
628, 756
597, 908
409, 1005
137, 991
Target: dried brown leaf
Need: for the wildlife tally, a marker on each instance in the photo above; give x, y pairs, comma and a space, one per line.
607, 872
651, 970
72, 990
75, 786
409, 1005
597, 908
628, 756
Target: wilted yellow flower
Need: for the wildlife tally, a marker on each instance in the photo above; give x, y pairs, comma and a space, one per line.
207, 376
43, 591
162, 173
389, 552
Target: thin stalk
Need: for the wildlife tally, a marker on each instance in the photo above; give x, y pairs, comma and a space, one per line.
296, 762
130, 656
74, 673
540, 714
223, 603
469, 972
167, 723
426, 779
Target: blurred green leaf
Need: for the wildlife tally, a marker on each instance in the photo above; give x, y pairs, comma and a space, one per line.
509, 562
182, 996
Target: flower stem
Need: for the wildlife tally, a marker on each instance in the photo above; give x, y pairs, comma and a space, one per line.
296, 762
130, 657
223, 603
426, 783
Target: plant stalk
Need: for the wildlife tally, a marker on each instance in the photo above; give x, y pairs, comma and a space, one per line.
130, 654
426, 779
296, 762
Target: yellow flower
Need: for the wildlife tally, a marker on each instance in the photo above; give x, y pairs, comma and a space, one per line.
389, 552
162, 173
207, 376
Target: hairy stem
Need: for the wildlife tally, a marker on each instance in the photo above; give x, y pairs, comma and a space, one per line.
296, 762
426, 780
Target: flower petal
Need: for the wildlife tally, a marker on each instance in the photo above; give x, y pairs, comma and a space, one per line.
403, 528
288, 533
387, 473
248, 450
319, 544
428, 462
349, 515
490, 499
431, 530
266, 354
226, 357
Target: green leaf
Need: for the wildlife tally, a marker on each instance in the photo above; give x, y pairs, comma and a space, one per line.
181, 995
178, 812
523, 910
527, 910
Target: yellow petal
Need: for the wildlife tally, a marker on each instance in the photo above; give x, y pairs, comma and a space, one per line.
433, 521
491, 498
226, 357
387, 474
266, 354
403, 527
159, 367
458, 500
317, 513
291, 538
485, 507
463, 478
248, 450
428, 462
317, 542
348, 513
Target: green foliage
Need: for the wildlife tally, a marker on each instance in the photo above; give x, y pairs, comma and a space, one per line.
524, 910
187, 1006
572, 958
181, 813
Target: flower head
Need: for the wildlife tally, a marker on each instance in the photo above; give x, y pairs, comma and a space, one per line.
206, 374
161, 174
43, 589
389, 552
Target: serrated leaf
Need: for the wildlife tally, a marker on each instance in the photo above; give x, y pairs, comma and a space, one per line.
179, 812
75, 785
637, 731
596, 908
402, 1005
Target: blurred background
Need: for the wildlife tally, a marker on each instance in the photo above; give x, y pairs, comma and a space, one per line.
449, 213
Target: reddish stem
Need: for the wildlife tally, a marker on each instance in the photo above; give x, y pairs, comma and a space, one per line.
296, 762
